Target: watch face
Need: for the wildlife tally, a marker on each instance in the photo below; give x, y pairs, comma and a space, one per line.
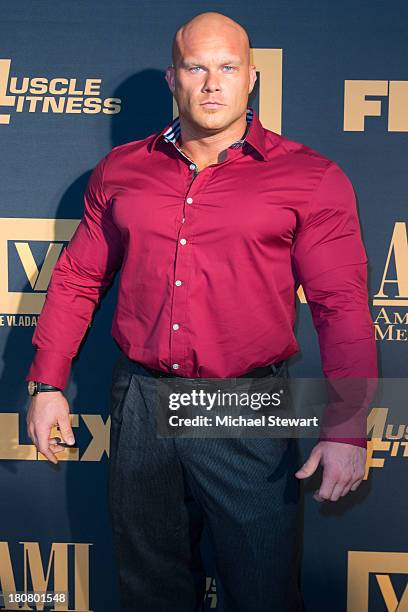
32, 386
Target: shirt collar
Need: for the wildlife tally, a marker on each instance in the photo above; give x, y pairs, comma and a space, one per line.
254, 134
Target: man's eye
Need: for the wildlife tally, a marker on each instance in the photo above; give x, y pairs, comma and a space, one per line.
195, 68
231, 67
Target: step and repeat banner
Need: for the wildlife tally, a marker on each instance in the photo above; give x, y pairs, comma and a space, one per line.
79, 78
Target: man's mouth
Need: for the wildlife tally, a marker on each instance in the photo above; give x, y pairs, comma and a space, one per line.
210, 104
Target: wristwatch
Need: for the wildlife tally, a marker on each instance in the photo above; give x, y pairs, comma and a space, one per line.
35, 387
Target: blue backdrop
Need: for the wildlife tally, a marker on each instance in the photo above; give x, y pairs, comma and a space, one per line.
81, 77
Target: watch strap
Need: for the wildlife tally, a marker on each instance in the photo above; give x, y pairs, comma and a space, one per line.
44, 387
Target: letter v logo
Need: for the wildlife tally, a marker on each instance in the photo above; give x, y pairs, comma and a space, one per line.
38, 279
22, 232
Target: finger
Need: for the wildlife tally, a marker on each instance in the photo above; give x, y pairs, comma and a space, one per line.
43, 445
34, 437
356, 484
31, 435
326, 488
310, 466
56, 446
49, 454
66, 429
346, 488
338, 491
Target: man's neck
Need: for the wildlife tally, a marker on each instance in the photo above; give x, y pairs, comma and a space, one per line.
205, 148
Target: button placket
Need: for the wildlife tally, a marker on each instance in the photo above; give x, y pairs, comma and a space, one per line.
179, 338
178, 348
178, 332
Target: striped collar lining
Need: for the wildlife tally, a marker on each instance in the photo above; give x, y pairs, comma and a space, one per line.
172, 134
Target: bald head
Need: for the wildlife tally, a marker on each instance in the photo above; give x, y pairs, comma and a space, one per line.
209, 25
211, 76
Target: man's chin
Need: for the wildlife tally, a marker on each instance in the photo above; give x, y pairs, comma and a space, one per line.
211, 118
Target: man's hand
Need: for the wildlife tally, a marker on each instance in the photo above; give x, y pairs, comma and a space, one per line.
343, 468
49, 408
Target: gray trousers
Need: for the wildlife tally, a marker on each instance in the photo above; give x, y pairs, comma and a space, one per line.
162, 491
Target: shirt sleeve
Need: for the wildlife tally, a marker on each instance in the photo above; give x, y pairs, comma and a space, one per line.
80, 277
330, 263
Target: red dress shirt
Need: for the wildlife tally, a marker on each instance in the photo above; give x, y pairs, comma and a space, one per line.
211, 261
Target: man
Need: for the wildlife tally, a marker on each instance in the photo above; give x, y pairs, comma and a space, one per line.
215, 221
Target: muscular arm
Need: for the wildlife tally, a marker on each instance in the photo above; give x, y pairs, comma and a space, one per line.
331, 264
79, 279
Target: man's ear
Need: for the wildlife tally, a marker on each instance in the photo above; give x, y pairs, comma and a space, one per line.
252, 77
170, 78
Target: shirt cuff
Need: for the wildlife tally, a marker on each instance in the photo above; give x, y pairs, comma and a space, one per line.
355, 441
50, 368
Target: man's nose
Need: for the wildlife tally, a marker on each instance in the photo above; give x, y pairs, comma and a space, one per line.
211, 83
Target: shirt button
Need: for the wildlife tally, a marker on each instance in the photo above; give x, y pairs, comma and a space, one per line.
176, 326
189, 200
192, 167
175, 366
178, 283
183, 219
183, 241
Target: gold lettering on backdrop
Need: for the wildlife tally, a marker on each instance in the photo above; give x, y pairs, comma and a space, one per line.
39, 279
100, 437
12, 449
7, 581
397, 106
65, 95
301, 295
387, 439
36, 580
357, 107
382, 564
5, 100
268, 63
398, 250
20, 232
393, 291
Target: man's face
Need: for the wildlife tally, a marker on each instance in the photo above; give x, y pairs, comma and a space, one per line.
212, 79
